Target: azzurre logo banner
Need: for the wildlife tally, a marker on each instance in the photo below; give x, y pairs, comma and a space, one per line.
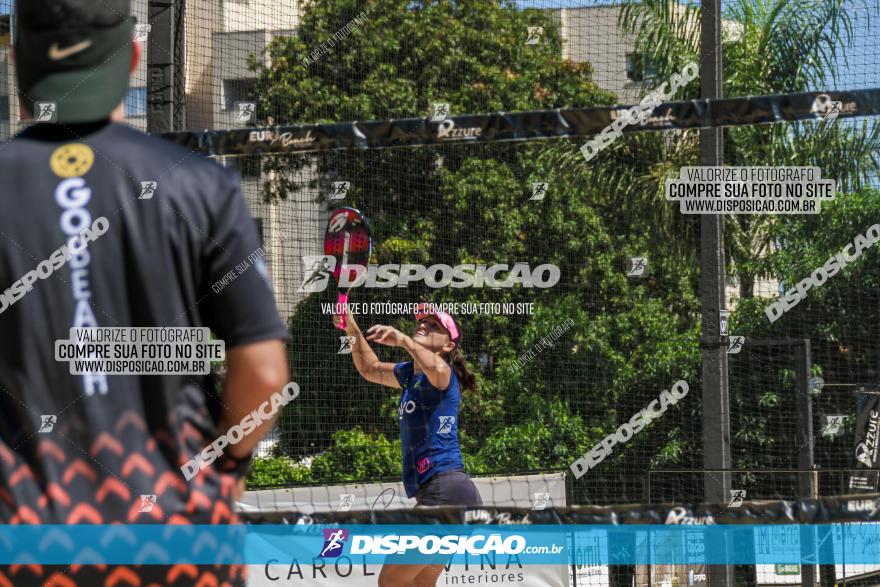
681, 541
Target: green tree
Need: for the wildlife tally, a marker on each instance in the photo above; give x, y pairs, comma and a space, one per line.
469, 204
774, 47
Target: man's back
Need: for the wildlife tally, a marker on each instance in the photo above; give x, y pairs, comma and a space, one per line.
103, 226
87, 448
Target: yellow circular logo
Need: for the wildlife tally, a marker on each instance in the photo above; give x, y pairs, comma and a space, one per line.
73, 160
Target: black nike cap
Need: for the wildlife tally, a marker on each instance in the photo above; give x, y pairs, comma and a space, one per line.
73, 57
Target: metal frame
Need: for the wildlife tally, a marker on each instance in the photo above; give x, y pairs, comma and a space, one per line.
162, 71
716, 393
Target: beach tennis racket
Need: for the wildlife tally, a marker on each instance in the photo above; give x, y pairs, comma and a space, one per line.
347, 239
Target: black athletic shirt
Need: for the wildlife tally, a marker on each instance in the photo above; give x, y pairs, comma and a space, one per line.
116, 438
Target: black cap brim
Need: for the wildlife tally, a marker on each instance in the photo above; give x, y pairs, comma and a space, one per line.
88, 87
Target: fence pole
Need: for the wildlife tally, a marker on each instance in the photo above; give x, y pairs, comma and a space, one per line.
160, 67
716, 406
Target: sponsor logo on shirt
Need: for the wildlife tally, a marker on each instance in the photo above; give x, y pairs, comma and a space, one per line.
73, 195
446, 424
72, 160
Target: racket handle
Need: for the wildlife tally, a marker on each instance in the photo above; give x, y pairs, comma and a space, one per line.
341, 301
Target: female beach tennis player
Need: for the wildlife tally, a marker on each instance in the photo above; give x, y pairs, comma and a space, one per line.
432, 383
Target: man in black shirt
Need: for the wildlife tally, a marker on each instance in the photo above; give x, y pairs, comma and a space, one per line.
81, 246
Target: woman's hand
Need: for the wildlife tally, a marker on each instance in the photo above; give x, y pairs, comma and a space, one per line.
387, 335
337, 321
351, 326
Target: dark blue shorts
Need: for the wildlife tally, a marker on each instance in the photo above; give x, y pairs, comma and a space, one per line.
449, 488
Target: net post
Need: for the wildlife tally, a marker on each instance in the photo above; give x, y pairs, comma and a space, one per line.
161, 77
806, 479
807, 487
715, 397
179, 46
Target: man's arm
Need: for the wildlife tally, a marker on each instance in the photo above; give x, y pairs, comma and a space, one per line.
254, 372
243, 314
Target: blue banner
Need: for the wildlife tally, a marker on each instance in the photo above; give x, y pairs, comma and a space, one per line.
855, 543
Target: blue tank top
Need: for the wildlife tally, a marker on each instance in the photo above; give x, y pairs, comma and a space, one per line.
428, 421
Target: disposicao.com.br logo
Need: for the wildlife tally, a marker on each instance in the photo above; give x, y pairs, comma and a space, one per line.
334, 542
317, 270
411, 548
432, 544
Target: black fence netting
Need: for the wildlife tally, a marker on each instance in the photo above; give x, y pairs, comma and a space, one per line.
560, 368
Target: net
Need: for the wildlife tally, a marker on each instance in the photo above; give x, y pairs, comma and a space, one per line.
475, 156
559, 369
616, 545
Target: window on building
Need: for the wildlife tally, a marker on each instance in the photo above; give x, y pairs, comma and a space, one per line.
639, 68
237, 90
136, 102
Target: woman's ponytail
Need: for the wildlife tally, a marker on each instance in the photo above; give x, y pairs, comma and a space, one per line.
465, 377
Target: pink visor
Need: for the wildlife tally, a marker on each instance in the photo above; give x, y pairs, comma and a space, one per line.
424, 310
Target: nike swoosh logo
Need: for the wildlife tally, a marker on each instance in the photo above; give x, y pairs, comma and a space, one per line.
56, 53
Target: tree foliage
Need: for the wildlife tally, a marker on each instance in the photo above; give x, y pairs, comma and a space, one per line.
468, 204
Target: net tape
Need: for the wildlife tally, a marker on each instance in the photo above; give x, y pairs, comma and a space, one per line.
845, 509
521, 126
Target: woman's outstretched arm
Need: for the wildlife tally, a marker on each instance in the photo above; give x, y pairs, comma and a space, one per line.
365, 360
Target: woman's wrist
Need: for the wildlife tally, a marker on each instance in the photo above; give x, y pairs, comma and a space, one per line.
351, 326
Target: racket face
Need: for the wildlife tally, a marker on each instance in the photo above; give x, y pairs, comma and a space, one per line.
348, 240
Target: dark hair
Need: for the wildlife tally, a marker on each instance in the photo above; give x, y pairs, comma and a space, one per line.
465, 377
65, 14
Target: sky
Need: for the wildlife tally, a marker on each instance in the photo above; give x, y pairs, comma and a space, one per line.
861, 69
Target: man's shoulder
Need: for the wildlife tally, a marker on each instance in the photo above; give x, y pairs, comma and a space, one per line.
124, 148
118, 145
164, 153
175, 171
